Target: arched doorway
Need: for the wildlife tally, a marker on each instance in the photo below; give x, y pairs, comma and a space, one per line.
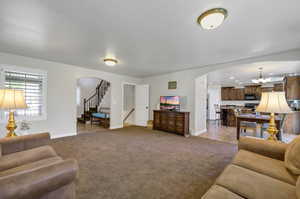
238, 79
93, 100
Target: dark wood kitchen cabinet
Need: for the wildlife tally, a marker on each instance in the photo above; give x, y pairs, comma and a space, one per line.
171, 121
232, 94
278, 87
258, 92
240, 94
253, 90
226, 93
266, 89
292, 88
250, 90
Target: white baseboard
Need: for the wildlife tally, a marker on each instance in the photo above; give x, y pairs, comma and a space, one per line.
63, 135
116, 127
197, 133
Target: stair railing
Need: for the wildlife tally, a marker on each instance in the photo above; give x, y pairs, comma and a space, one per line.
127, 116
95, 99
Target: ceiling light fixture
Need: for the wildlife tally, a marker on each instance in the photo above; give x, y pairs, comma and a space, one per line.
261, 80
110, 61
213, 18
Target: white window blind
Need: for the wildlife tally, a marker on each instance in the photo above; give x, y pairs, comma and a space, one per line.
32, 84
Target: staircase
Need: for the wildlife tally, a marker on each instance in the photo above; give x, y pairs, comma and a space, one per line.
91, 104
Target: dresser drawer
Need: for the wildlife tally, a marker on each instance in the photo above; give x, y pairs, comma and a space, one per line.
176, 122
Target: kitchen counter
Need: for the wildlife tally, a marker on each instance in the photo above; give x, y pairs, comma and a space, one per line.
228, 117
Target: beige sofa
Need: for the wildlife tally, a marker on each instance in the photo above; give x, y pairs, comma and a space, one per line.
29, 169
260, 170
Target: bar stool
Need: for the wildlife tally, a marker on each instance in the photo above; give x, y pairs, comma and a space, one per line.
218, 113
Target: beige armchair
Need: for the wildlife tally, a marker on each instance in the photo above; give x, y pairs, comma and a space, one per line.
29, 169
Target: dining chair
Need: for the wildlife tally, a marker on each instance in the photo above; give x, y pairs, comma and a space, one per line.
244, 126
218, 113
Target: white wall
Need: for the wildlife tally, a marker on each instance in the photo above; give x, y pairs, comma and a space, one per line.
61, 101
200, 105
129, 102
186, 80
61, 94
214, 94
105, 103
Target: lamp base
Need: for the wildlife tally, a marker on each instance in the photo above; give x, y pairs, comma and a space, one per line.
11, 125
272, 130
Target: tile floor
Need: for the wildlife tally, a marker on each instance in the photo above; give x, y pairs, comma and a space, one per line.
88, 128
216, 131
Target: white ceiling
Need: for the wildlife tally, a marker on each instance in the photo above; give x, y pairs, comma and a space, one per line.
242, 75
147, 37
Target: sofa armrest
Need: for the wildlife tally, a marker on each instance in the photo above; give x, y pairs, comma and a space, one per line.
26, 157
21, 143
38, 183
267, 148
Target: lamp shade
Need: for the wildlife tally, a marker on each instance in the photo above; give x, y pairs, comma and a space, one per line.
12, 99
273, 102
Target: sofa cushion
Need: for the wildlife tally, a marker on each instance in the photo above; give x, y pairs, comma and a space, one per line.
264, 165
218, 192
31, 166
24, 157
292, 157
250, 184
298, 188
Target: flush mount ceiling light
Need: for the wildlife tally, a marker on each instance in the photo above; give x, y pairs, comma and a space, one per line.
213, 18
110, 61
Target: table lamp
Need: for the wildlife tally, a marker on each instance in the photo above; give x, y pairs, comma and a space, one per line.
273, 102
12, 99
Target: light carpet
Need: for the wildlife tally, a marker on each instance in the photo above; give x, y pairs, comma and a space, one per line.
136, 162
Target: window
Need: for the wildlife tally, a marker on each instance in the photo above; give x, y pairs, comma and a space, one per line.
34, 85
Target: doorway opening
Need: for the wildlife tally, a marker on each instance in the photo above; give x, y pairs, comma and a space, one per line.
232, 94
128, 105
135, 105
93, 96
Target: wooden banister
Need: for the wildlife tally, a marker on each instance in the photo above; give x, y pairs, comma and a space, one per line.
127, 116
95, 99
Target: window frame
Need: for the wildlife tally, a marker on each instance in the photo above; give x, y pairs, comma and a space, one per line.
9, 68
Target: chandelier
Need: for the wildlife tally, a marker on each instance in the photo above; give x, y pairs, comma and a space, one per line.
260, 79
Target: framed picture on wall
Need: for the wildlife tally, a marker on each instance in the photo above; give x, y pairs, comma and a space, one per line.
172, 85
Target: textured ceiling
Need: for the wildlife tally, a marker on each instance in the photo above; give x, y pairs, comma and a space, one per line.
242, 75
147, 37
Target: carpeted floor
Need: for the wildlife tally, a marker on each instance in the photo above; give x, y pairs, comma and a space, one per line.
136, 162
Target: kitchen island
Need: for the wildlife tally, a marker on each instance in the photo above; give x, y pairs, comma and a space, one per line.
228, 117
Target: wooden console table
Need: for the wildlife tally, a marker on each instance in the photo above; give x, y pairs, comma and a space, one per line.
171, 121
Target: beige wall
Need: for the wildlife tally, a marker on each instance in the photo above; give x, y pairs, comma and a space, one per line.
186, 81
61, 94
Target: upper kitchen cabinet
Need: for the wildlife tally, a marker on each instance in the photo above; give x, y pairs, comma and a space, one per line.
292, 88
278, 87
226, 93
266, 89
253, 90
239, 94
